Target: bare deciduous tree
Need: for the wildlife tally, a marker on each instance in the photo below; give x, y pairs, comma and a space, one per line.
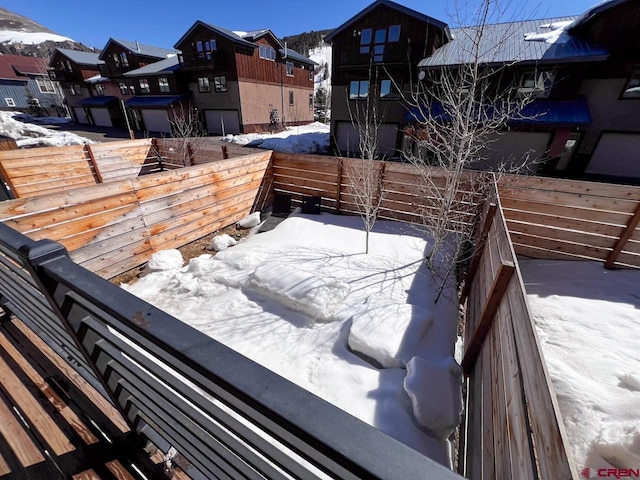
461, 105
186, 129
366, 174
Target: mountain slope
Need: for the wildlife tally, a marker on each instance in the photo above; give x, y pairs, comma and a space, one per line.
20, 35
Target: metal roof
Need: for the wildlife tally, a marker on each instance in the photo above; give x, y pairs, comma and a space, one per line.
168, 65
388, 3
139, 49
523, 41
591, 14
293, 55
82, 58
234, 37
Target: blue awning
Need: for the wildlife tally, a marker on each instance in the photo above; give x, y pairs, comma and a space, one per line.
557, 113
98, 101
154, 101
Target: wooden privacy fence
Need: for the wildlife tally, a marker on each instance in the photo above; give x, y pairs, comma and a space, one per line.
38, 171
573, 220
404, 195
112, 227
513, 428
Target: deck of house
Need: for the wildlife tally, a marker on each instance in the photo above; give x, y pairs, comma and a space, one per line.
53, 424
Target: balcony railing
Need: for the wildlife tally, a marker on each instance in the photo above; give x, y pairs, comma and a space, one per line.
228, 416
394, 53
204, 60
60, 75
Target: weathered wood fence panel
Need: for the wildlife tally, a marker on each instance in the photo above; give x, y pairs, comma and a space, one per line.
571, 220
126, 159
30, 172
112, 227
513, 425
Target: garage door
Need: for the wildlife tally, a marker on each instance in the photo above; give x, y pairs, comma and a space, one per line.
101, 117
512, 150
81, 115
347, 139
617, 154
222, 122
156, 121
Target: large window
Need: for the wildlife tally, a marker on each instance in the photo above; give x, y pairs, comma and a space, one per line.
632, 89
374, 40
204, 48
358, 89
389, 90
290, 69
267, 53
75, 90
45, 85
220, 83
163, 84
144, 86
203, 85
536, 83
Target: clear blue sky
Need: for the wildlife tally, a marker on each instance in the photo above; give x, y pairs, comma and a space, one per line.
163, 22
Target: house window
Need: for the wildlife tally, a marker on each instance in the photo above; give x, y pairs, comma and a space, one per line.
310, 101
10, 102
75, 90
290, 69
99, 89
68, 66
358, 89
132, 89
267, 53
163, 84
389, 90
632, 89
220, 83
116, 59
536, 83
124, 60
45, 85
290, 97
203, 85
375, 41
124, 88
204, 48
311, 75
144, 86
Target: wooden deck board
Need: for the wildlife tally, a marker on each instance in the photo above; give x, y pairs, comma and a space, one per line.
17, 438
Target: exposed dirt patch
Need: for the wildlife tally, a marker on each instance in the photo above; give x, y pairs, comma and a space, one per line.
188, 251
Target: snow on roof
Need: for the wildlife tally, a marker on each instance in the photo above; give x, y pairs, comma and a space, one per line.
521, 41
168, 65
97, 79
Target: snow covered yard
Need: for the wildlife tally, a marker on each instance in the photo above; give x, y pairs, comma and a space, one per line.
311, 138
588, 322
361, 331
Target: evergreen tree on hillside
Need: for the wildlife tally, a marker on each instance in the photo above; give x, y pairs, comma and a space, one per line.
303, 42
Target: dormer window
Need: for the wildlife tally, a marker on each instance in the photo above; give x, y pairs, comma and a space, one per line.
536, 83
204, 48
267, 53
124, 60
290, 69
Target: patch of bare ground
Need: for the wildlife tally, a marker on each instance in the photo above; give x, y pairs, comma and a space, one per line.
188, 251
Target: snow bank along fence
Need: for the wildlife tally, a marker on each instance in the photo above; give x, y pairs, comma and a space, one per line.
224, 415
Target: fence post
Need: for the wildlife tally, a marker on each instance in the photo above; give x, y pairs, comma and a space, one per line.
624, 238
92, 161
